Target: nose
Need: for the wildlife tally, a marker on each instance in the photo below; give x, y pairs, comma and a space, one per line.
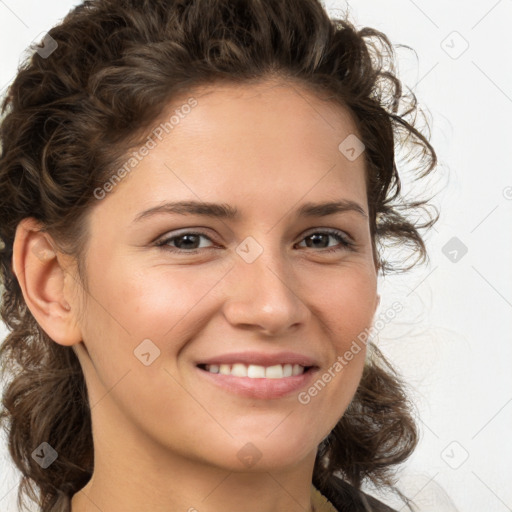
265, 296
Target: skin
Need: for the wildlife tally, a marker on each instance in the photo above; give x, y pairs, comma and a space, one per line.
165, 439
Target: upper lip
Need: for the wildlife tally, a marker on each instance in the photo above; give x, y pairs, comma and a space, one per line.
261, 359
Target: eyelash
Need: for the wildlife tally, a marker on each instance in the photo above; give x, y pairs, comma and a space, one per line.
345, 243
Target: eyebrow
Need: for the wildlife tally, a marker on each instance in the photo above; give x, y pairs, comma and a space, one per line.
228, 212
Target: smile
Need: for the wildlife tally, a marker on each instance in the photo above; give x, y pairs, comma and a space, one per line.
253, 371
259, 382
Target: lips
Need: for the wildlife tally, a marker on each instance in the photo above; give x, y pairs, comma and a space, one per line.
275, 385
262, 388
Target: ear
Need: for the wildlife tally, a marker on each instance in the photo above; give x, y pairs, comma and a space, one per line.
46, 285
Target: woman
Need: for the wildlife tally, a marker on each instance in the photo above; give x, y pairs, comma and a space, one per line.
192, 199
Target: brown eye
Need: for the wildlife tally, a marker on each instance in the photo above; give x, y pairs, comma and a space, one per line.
320, 240
184, 242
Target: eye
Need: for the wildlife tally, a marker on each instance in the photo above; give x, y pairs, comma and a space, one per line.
322, 238
190, 241
185, 242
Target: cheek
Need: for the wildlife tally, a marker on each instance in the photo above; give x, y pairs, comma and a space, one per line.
124, 308
155, 302
344, 301
345, 305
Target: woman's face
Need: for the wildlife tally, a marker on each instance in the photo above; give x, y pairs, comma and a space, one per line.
172, 289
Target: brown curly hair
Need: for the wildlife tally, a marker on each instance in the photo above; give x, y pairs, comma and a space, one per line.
69, 119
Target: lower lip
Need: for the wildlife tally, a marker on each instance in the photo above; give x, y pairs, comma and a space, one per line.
263, 389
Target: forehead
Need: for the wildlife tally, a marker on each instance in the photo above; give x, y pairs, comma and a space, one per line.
266, 144
280, 127
272, 110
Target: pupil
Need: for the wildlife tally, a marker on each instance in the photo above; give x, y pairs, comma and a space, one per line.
316, 236
190, 239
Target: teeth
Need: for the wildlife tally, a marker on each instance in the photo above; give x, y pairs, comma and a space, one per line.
297, 369
225, 369
239, 370
254, 371
274, 372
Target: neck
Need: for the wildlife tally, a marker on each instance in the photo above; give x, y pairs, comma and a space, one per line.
131, 473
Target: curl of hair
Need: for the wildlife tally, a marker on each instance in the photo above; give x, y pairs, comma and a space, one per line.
69, 119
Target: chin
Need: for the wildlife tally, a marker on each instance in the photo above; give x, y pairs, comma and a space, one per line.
267, 453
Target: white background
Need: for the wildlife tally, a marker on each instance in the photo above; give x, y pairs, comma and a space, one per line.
453, 340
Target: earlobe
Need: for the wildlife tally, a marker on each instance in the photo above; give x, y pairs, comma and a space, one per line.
38, 266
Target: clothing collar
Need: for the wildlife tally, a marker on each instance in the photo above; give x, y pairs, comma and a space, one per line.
320, 502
